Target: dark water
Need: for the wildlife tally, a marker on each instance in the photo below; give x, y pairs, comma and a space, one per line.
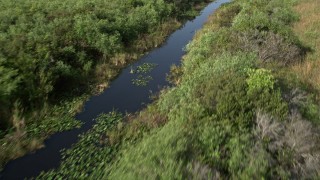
122, 96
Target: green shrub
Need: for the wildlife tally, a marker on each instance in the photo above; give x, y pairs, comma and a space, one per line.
256, 166
213, 135
160, 155
247, 20
309, 108
225, 14
260, 80
268, 15
265, 27
238, 147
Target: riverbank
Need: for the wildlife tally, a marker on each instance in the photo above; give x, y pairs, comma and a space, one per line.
31, 128
237, 110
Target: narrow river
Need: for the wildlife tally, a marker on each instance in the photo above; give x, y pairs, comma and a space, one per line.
122, 96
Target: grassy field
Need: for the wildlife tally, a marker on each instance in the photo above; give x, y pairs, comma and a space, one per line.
244, 106
307, 28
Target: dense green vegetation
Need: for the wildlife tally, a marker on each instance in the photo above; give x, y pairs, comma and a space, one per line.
54, 54
50, 47
236, 111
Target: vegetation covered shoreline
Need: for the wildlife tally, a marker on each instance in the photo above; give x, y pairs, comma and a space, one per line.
54, 55
242, 107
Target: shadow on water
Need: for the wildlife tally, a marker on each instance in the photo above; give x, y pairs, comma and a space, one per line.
122, 96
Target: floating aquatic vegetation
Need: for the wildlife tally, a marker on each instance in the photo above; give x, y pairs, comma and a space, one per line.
142, 80
144, 68
91, 154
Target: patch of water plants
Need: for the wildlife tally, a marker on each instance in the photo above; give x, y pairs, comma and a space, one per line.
28, 136
142, 79
91, 154
145, 68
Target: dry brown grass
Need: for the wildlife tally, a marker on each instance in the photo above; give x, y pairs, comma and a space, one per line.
308, 30
309, 71
271, 47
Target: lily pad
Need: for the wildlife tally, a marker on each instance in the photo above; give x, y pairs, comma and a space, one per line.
142, 80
